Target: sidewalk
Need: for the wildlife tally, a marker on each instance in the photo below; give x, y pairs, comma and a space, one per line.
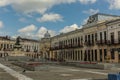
11, 74
5, 76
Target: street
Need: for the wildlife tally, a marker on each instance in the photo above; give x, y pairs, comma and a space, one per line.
58, 72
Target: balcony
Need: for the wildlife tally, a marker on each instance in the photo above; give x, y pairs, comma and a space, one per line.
102, 42
54, 48
107, 42
89, 43
69, 46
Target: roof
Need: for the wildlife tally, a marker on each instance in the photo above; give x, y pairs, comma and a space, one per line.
26, 39
106, 14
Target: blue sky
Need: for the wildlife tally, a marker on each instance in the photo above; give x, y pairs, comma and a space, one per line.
32, 18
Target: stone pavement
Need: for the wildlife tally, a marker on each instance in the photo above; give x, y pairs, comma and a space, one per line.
65, 73
58, 72
6, 66
5, 76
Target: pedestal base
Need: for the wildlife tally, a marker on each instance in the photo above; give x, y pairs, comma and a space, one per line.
17, 53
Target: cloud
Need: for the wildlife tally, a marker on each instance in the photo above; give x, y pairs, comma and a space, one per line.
22, 20
50, 17
69, 28
39, 33
1, 24
31, 31
43, 30
30, 6
91, 11
29, 28
87, 1
85, 21
114, 4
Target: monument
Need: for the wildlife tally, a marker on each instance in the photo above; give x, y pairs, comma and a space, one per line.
17, 54
18, 48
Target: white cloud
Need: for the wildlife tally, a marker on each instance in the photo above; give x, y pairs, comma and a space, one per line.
91, 11
31, 31
43, 30
39, 33
29, 28
87, 1
30, 6
1, 24
114, 4
85, 21
69, 28
50, 17
22, 20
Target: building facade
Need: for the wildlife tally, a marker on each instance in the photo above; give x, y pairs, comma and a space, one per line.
29, 46
97, 41
45, 46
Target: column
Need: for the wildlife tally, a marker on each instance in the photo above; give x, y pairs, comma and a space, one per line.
93, 55
98, 55
116, 57
103, 55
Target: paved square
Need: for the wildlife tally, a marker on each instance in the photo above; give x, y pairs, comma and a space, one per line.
58, 72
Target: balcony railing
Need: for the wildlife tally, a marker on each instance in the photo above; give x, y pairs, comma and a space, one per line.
89, 43
67, 46
107, 42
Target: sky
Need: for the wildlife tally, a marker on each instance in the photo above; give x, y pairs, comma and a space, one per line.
32, 18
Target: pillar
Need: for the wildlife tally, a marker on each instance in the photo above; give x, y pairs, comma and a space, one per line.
116, 57
98, 55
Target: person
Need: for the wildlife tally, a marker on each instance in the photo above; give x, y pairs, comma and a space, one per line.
24, 71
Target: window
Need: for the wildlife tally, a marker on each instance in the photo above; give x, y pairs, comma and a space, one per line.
73, 55
112, 37
119, 36
112, 54
105, 37
78, 40
73, 41
81, 55
89, 39
100, 37
105, 53
85, 56
89, 55
92, 55
95, 36
96, 55
100, 54
78, 55
85, 38
92, 38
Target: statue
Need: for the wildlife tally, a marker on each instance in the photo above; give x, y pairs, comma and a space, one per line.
17, 44
17, 41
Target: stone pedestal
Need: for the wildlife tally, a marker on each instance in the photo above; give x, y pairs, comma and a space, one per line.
17, 53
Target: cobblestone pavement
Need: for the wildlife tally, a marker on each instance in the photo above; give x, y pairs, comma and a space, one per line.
6, 66
5, 76
63, 73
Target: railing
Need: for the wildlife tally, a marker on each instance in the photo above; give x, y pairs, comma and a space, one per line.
107, 42
89, 43
67, 46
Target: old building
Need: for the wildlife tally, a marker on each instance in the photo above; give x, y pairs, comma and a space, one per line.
6, 45
97, 41
45, 46
29, 46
